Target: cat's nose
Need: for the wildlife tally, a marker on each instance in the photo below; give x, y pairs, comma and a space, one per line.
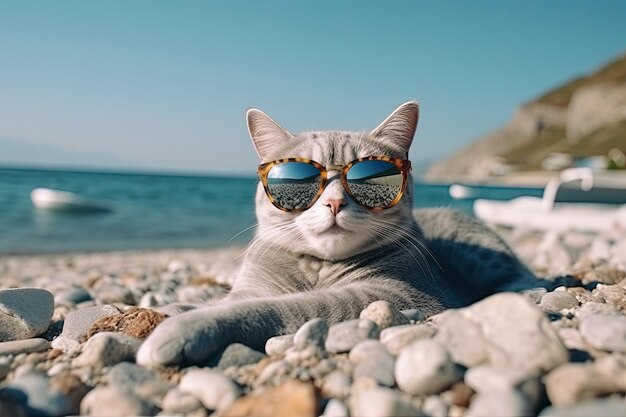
334, 204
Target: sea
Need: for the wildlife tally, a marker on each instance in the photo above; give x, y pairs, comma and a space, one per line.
155, 211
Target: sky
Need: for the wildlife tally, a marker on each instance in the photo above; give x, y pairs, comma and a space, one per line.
164, 85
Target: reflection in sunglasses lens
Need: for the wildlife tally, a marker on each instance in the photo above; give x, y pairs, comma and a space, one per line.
375, 183
294, 185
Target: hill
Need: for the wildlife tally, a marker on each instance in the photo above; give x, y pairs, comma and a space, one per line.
585, 117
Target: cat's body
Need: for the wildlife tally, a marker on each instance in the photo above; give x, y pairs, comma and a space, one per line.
337, 257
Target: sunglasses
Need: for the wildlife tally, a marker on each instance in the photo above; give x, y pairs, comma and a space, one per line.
374, 182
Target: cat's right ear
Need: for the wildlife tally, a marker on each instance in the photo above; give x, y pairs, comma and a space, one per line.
266, 134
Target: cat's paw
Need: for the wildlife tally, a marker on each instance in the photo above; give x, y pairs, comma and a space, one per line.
186, 339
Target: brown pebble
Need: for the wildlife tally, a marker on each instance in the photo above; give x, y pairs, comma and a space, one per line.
71, 387
291, 399
136, 322
54, 353
461, 394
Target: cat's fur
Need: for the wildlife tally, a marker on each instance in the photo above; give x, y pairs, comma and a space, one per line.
318, 264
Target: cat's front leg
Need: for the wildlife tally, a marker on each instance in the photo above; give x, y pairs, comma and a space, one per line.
189, 337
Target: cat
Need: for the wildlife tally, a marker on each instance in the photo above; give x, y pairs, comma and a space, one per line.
335, 258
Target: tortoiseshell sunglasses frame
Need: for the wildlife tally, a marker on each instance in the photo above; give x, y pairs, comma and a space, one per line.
404, 165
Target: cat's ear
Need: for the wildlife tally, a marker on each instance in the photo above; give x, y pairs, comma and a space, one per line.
266, 134
399, 127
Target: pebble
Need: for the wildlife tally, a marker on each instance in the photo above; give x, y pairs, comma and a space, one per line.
178, 402
336, 385
413, 314
278, 344
462, 337
610, 407
24, 313
42, 398
490, 379
344, 336
77, 325
384, 314
424, 367
558, 300
112, 293
535, 294
107, 349
434, 406
238, 355
531, 344
72, 295
572, 382
381, 402
127, 375
311, 333
502, 403
592, 308
16, 347
335, 408
110, 401
291, 398
605, 332
379, 367
215, 390
367, 349
397, 337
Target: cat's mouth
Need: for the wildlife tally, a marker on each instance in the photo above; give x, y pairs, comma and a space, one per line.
334, 229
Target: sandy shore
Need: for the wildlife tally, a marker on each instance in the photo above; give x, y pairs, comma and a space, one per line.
568, 353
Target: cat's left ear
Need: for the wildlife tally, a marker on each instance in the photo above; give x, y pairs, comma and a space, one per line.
399, 127
267, 135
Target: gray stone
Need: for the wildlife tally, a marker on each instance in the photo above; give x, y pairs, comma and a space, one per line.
112, 293
610, 407
615, 294
16, 347
238, 355
311, 333
424, 367
177, 402
113, 402
42, 398
398, 337
71, 296
344, 336
127, 375
558, 300
24, 313
532, 343
78, 322
535, 294
502, 403
462, 337
605, 332
384, 314
381, 402
278, 344
336, 408
213, 389
336, 385
107, 349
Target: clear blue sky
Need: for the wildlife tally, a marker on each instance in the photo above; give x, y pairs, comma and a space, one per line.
164, 84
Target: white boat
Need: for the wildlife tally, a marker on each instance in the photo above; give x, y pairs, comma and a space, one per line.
576, 199
57, 200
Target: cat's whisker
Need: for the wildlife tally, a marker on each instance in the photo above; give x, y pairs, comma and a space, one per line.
384, 232
255, 224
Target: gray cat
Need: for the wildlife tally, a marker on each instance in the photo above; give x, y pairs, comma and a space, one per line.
339, 255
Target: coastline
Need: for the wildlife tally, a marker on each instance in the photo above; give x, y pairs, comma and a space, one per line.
568, 320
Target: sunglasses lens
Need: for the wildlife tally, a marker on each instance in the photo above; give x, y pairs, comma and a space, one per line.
375, 183
294, 185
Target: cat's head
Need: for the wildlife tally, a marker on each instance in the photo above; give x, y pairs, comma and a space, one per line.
335, 227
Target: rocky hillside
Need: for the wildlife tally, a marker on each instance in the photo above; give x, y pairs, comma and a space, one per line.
584, 117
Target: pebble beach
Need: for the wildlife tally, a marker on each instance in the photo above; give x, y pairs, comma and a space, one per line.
71, 325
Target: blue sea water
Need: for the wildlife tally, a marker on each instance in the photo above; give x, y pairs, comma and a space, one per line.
152, 211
